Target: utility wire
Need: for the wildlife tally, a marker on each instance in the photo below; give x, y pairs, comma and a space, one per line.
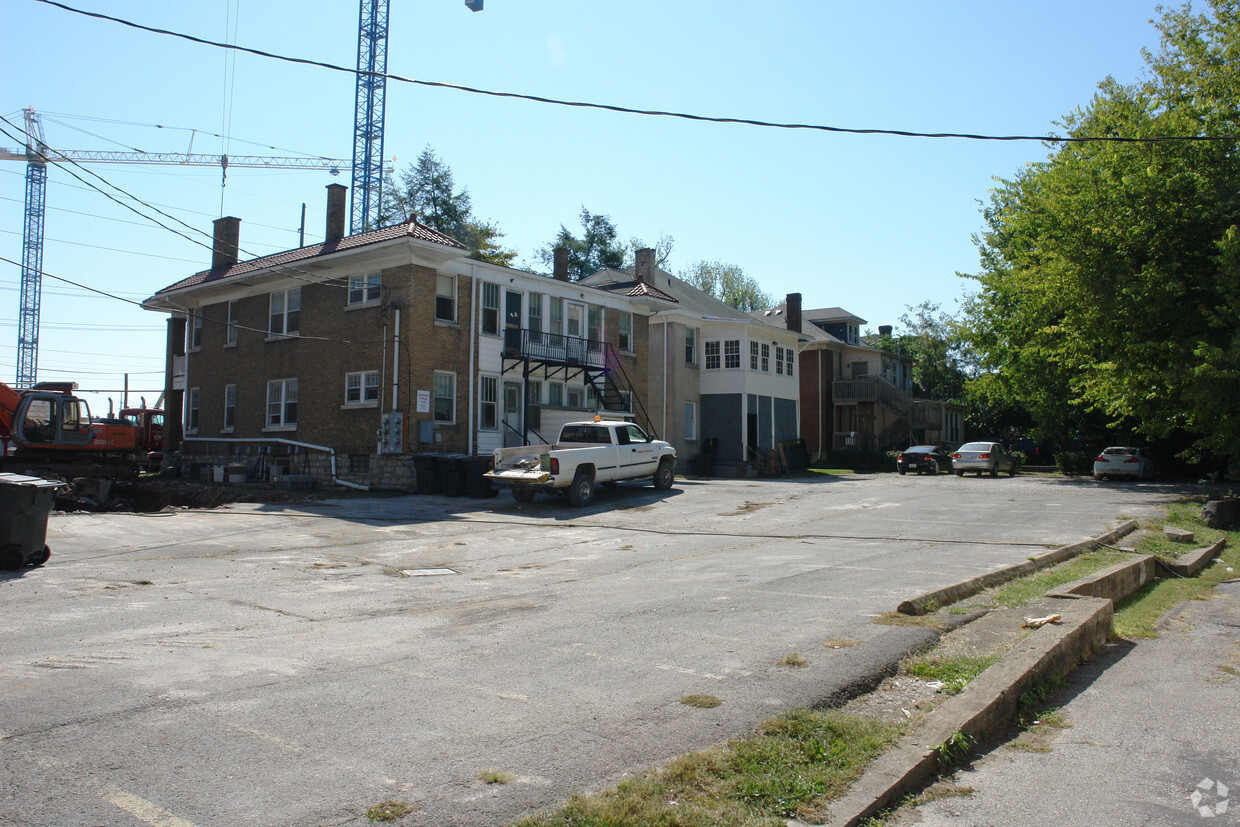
902, 133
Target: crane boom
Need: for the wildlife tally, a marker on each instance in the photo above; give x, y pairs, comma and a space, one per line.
333, 165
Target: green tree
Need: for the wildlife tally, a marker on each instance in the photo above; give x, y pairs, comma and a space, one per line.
728, 283
1109, 289
595, 250
930, 339
428, 193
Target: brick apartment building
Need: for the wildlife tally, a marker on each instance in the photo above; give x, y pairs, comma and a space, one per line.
342, 360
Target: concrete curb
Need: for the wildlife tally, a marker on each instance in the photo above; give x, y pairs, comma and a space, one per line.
986, 706
991, 701
966, 588
1188, 565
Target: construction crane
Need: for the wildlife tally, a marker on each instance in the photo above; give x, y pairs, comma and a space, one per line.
37, 155
367, 192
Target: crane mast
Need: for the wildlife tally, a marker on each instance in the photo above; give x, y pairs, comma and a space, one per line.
367, 191
37, 154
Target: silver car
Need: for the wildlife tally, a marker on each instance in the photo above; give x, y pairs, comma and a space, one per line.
983, 457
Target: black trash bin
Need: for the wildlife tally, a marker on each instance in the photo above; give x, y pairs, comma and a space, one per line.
476, 485
450, 474
424, 472
24, 505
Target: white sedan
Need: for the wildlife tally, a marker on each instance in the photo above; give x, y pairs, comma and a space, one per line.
1121, 461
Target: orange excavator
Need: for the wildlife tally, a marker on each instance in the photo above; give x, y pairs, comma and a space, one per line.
51, 429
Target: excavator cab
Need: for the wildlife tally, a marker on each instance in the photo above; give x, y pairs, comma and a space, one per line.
48, 416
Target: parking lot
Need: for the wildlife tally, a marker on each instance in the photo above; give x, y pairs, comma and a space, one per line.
297, 664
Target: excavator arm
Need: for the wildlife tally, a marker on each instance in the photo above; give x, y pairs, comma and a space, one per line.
9, 400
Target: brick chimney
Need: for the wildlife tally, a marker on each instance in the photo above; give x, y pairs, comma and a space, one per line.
643, 271
335, 213
559, 263
225, 242
792, 312
884, 330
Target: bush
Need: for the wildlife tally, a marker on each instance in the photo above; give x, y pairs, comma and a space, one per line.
860, 461
1077, 463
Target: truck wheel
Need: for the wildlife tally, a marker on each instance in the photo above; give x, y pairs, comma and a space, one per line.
523, 493
664, 476
12, 558
581, 492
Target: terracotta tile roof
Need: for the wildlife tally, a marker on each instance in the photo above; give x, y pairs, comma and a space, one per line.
413, 230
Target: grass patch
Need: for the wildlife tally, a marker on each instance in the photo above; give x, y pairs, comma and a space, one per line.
829, 472
790, 767
840, 643
388, 811
1032, 587
955, 672
1137, 615
494, 776
899, 619
701, 701
793, 660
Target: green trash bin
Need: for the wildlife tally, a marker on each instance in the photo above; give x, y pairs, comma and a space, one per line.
24, 505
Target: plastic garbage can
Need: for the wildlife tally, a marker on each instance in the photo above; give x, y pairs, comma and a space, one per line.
476, 485
25, 503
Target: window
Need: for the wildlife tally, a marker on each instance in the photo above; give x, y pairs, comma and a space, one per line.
445, 398
555, 394
576, 396
690, 421
285, 313
779, 360
230, 407
365, 289
282, 403
490, 308
766, 358
488, 403
690, 345
788, 363
445, 298
712, 356
195, 329
732, 353
594, 323
625, 328
191, 411
234, 317
533, 394
557, 316
753, 355
361, 387
536, 316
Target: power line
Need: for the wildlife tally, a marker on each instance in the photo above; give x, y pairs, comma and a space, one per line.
109, 249
901, 133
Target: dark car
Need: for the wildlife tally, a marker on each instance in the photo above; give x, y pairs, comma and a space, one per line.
924, 459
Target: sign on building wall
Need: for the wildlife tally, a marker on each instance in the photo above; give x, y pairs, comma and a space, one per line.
424, 401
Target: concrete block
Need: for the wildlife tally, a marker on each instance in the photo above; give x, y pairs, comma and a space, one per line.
1114, 582
1222, 513
1178, 535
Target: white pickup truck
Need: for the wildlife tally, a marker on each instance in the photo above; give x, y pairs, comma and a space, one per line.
585, 453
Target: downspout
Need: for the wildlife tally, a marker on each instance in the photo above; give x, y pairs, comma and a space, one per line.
396, 361
309, 446
666, 356
382, 382
473, 321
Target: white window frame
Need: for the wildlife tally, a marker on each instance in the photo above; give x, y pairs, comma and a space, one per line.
192, 410
195, 329
575, 391
731, 354
714, 355
230, 409
488, 399
779, 360
234, 318
557, 316
691, 357
534, 314
449, 297
624, 332
555, 394
290, 325
443, 378
691, 422
361, 389
753, 356
788, 361
365, 290
282, 396
490, 308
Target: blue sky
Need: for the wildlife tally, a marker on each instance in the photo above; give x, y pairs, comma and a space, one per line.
869, 223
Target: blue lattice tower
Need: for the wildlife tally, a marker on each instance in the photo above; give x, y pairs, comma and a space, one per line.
368, 116
32, 260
